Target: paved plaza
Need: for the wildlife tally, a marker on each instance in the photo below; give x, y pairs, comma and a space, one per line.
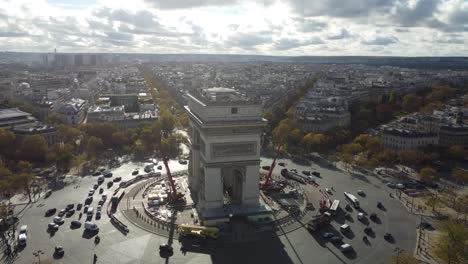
291, 244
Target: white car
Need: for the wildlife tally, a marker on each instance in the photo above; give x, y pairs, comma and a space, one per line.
91, 226
23, 229
346, 247
344, 228
58, 220
22, 239
328, 190
360, 216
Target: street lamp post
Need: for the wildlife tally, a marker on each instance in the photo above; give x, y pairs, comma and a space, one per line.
38, 254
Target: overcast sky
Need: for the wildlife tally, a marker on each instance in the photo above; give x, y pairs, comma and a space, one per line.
269, 27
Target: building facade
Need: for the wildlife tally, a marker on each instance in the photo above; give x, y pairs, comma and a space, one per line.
401, 140
73, 112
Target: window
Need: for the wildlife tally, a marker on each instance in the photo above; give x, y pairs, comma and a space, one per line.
234, 110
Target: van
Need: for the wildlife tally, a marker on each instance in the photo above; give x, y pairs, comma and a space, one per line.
91, 226
346, 248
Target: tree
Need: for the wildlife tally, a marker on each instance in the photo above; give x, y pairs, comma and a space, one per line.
460, 175
54, 119
384, 112
457, 152
68, 134
451, 244
281, 132
167, 122
411, 103
392, 97
427, 174
433, 201
94, 147
404, 259
410, 157
7, 142
34, 148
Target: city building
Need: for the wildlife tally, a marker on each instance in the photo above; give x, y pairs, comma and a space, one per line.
130, 101
23, 124
73, 112
321, 115
455, 134
400, 140
225, 128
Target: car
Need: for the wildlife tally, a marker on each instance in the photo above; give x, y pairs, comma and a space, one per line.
89, 200
336, 239
101, 202
373, 216
99, 208
328, 190
109, 184
91, 226
135, 172
360, 216
345, 228
90, 211
69, 207
391, 185
58, 251
52, 227
96, 173
62, 212
159, 167
368, 230
98, 215
327, 235
166, 250
90, 192
50, 211
306, 172
294, 170
85, 210
361, 193
102, 169
346, 248
75, 224
48, 193
281, 164
117, 179
70, 212
379, 205
400, 186
183, 162
58, 220
107, 174
104, 196
388, 236
23, 229
22, 239
100, 179
101, 190
147, 169
316, 174
95, 186
78, 206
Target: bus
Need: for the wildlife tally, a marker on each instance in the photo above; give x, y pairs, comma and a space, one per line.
198, 231
334, 207
352, 199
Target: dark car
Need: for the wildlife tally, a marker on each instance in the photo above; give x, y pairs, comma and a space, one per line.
107, 174
426, 225
89, 200
69, 207
117, 179
316, 174
52, 227
75, 224
59, 252
281, 164
70, 212
109, 184
95, 186
96, 173
101, 190
48, 193
159, 167
50, 212
62, 212
78, 206
306, 173
135, 172
267, 168
336, 239
388, 237
368, 230
373, 216
166, 250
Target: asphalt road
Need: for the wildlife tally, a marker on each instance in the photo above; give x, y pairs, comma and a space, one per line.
295, 247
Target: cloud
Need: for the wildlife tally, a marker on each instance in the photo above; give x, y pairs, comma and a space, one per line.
380, 41
250, 40
311, 25
184, 4
341, 35
340, 8
292, 43
407, 15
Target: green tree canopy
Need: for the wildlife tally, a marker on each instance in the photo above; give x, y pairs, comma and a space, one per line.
411, 103
427, 174
451, 245
34, 148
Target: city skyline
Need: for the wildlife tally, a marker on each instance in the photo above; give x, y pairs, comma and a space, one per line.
266, 27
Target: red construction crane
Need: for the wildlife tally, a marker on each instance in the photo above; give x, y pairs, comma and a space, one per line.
268, 184
174, 196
